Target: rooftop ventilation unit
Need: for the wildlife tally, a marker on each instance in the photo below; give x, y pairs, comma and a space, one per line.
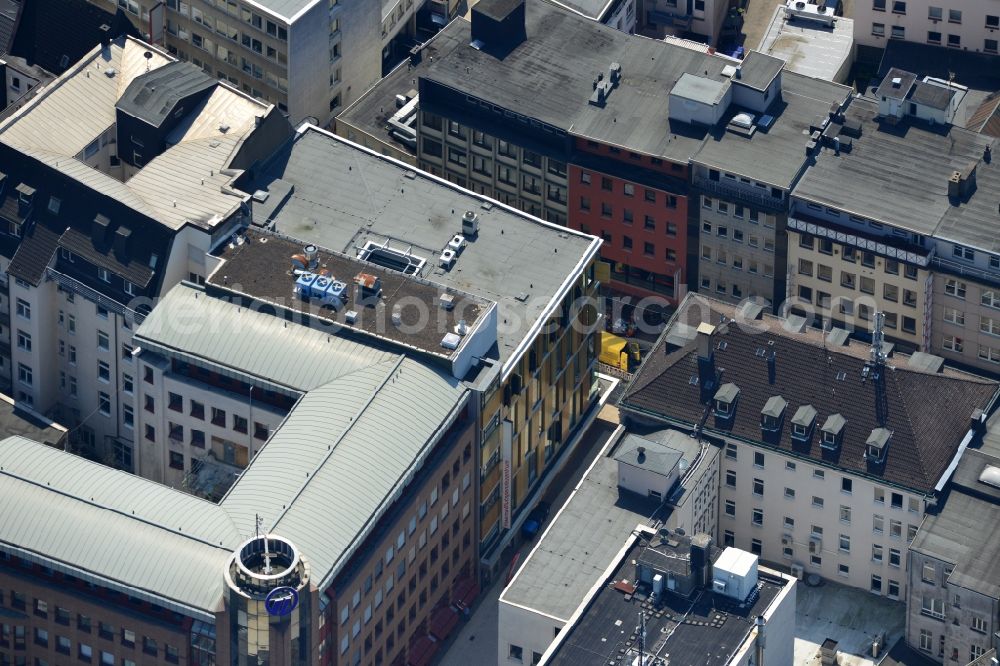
457, 242
351, 317
470, 223
447, 258
451, 341
447, 301
312, 256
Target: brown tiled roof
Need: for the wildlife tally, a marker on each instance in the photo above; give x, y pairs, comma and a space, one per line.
928, 413
986, 119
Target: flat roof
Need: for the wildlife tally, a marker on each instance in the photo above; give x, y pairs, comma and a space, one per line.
261, 267
707, 630
16, 419
647, 454
699, 88
188, 321
184, 184
898, 175
961, 533
582, 539
549, 77
809, 47
341, 196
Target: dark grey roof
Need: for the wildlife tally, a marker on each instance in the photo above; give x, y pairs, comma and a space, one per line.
655, 457
55, 34
898, 175
549, 77
963, 534
704, 632
345, 196
153, 96
932, 95
37, 246
896, 84
926, 434
9, 9
758, 70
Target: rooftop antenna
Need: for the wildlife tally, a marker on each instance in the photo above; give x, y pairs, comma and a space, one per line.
876, 368
642, 638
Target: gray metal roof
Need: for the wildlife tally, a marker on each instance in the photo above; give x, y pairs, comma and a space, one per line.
963, 533
344, 196
112, 524
188, 321
896, 84
153, 95
804, 416
655, 456
370, 458
898, 175
285, 9
339, 460
834, 423
727, 392
774, 406
933, 95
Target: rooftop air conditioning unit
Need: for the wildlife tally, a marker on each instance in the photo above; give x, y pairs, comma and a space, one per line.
798, 571
470, 223
447, 258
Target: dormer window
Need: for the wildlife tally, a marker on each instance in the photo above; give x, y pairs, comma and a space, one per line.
25, 194
833, 431
66, 255
54, 204
103, 275
725, 400
803, 422
877, 445
773, 413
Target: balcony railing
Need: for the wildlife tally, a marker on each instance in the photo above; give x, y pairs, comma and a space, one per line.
740, 194
949, 265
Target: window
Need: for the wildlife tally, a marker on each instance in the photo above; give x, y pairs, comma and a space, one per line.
876, 584
879, 495
790, 493
730, 508
845, 514
731, 451
955, 41
843, 570
876, 553
878, 524
978, 624
955, 288
895, 557
23, 341
757, 517
758, 459
895, 529
516, 652
103, 371
926, 640
819, 474
932, 606
898, 32
990, 45
898, 7
104, 403
878, 5
240, 424
23, 309
25, 374
758, 487
954, 316
896, 501
954, 16
817, 502
845, 543
846, 485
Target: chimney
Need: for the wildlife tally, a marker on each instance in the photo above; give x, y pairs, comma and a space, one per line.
706, 361
122, 236
100, 228
701, 562
105, 31
772, 370
641, 458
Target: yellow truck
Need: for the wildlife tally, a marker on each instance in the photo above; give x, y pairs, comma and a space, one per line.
619, 352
